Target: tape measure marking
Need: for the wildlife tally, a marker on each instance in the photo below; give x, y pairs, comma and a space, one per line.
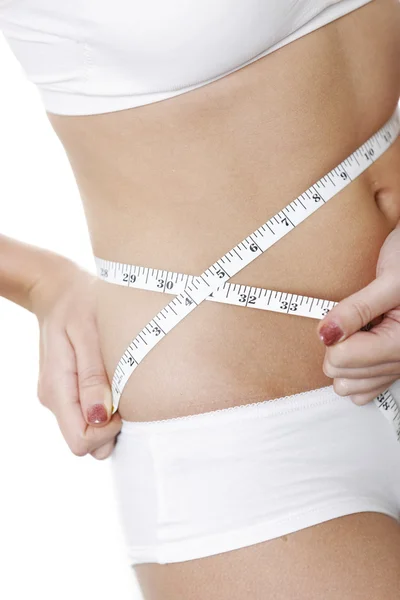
212, 279
237, 294
232, 293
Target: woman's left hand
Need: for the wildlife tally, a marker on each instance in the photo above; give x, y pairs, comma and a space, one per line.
364, 364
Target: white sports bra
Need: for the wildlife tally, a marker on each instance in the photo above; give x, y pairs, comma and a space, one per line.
96, 56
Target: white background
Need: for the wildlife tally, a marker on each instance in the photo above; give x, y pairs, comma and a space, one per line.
59, 531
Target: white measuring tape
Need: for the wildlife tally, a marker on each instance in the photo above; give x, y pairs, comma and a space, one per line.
213, 285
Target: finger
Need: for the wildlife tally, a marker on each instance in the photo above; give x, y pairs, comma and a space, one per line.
59, 392
361, 399
391, 368
104, 451
96, 437
347, 387
82, 438
94, 390
359, 309
379, 346
389, 255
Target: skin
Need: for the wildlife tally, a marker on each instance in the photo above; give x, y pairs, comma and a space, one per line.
176, 184
162, 178
363, 364
72, 379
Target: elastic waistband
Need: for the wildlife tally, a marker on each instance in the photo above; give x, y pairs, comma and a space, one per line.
283, 404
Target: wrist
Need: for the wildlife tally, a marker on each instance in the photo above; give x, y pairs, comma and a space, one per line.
53, 274
21, 266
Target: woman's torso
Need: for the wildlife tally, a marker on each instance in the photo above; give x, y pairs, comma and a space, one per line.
176, 184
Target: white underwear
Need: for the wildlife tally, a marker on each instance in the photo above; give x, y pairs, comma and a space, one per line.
199, 485
195, 486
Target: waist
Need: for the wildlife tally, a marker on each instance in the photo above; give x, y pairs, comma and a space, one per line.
175, 184
212, 356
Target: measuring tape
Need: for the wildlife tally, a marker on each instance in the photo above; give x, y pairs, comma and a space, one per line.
169, 282
212, 284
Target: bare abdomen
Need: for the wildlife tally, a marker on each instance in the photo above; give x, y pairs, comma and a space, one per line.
176, 184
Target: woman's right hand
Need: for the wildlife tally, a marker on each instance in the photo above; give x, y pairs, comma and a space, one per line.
73, 382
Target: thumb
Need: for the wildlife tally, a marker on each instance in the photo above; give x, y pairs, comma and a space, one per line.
360, 309
94, 389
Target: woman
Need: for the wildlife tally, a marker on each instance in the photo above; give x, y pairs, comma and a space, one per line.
186, 130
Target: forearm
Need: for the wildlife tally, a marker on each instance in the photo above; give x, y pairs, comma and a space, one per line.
21, 267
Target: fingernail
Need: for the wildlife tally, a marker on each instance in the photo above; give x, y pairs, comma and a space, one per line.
97, 414
330, 333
